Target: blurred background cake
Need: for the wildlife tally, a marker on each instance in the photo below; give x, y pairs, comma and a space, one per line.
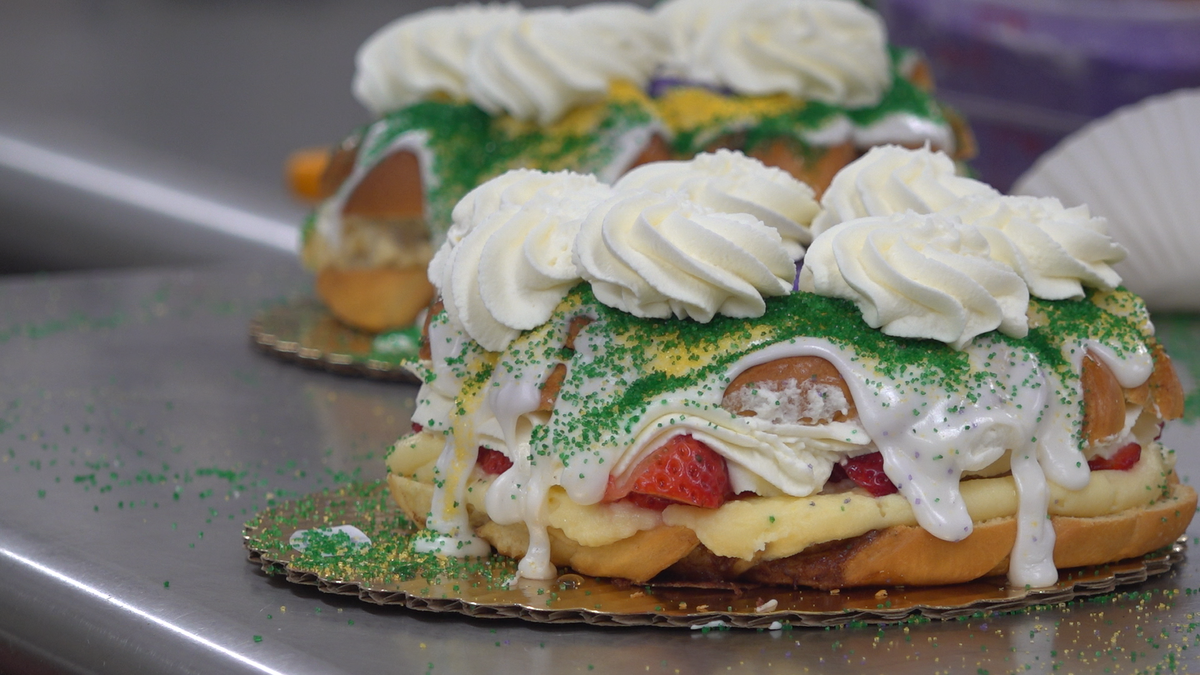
465, 93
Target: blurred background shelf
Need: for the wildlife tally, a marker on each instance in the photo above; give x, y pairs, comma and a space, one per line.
206, 98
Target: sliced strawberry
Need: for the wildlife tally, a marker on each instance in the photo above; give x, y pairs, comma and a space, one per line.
1121, 460
649, 502
417, 428
683, 471
492, 462
867, 471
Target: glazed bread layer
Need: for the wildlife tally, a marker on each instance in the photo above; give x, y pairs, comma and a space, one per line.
847, 539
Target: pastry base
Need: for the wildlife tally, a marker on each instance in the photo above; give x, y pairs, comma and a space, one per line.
375, 299
573, 598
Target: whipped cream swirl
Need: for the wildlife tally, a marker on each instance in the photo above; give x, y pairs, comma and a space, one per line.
731, 182
554, 59
657, 255
424, 54
891, 179
683, 22
716, 234
918, 276
833, 51
1056, 250
510, 263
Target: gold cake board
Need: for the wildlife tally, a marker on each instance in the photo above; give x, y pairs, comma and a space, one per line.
576, 599
303, 331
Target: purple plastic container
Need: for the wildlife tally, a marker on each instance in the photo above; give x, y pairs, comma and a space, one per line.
1026, 73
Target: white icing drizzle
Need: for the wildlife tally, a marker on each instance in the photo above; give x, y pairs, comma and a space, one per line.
900, 128
1131, 369
905, 129
329, 212
928, 435
519, 494
448, 519
929, 432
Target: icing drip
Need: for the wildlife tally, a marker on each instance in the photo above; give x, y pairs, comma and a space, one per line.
932, 425
328, 217
448, 513
519, 494
1031, 562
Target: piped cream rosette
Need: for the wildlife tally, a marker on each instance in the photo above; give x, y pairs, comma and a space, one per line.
536, 64
681, 239
831, 51
662, 316
531, 64
926, 253
920, 277
729, 182
423, 55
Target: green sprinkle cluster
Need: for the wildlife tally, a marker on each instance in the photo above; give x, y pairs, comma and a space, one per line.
392, 554
624, 367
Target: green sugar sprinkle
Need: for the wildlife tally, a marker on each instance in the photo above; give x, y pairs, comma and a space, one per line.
392, 554
631, 364
468, 146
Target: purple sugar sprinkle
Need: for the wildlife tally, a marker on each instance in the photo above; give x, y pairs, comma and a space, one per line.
918, 501
662, 84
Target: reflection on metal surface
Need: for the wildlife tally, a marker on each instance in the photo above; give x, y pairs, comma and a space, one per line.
145, 194
156, 363
120, 604
369, 574
305, 332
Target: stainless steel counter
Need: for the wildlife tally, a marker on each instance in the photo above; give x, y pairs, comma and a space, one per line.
138, 430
